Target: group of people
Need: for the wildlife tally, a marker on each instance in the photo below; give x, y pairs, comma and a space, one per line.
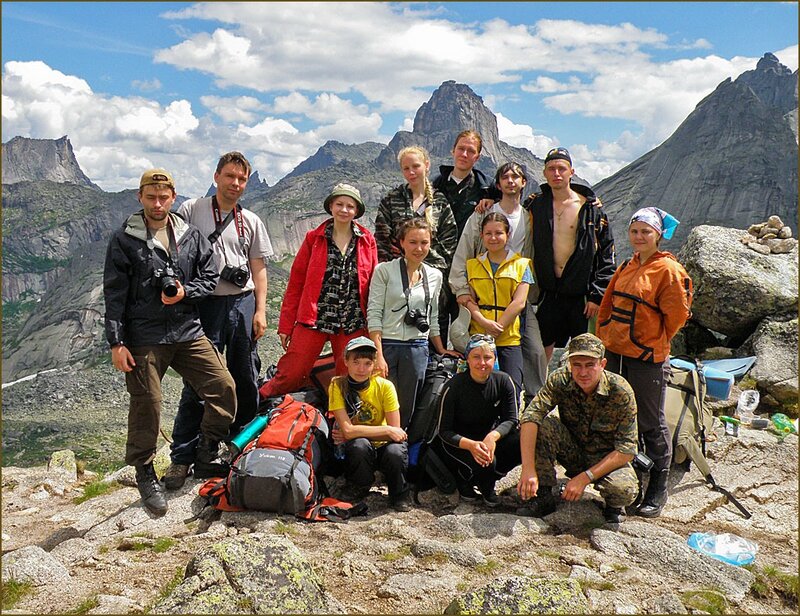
528, 275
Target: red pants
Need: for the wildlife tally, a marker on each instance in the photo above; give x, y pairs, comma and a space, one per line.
304, 348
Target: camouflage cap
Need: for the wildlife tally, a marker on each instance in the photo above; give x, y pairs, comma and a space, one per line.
558, 154
348, 191
588, 345
156, 176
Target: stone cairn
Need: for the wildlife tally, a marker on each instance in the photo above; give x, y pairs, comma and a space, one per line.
771, 237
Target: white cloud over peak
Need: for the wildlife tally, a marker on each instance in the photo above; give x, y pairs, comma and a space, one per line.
522, 136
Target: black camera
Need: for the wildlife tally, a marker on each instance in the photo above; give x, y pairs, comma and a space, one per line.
418, 319
236, 275
166, 280
642, 462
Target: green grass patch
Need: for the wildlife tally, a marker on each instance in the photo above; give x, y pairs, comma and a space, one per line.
437, 558
85, 606
769, 579
401, 552
14, 592
96, 488
283, 528
162, 544
708, 600
549, 554
490, 566
596, 585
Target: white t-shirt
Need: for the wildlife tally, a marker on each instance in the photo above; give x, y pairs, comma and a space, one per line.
519, 228
227, 248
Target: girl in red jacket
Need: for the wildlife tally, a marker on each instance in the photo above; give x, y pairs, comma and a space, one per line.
326, 297
647, 301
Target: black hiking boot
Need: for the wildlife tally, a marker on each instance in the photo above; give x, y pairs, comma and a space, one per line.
151, 491
208, 462
175, 476
401, 503
490, 498
614, 515
467, 493
656, 495
541, 505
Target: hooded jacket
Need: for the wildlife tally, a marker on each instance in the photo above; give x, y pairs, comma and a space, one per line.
301, 300
644, 307
591, 265
135, 315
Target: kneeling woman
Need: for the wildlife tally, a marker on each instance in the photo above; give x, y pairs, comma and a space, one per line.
479, 427
368, 417
647, 301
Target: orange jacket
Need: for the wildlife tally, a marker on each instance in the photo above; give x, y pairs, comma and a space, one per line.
644, 307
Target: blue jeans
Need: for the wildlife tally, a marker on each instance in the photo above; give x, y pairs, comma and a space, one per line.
407, 361
228, 322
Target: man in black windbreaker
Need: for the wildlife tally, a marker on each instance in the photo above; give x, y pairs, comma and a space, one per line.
573, 252
157, 268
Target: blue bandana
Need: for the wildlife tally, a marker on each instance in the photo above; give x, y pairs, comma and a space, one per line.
657, 218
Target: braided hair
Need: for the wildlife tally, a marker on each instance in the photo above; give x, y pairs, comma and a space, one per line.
427, 186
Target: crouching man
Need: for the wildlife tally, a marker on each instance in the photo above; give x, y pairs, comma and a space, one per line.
157, 268
594, 438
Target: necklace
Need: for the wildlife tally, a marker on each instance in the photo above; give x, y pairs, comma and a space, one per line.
561, 213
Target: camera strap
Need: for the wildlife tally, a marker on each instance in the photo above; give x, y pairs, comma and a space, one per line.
221, 223
407, 289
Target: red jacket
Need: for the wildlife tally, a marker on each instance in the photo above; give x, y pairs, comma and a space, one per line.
644, 307
308, 271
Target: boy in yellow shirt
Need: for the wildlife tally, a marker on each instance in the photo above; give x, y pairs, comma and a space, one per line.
367, 415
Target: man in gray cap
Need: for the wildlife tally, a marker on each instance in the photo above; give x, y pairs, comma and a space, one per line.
594, 438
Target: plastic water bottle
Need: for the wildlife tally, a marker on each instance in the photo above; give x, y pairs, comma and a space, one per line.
782, 423
338, 450
746, 407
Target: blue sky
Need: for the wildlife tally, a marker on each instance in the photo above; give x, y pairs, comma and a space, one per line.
137, 84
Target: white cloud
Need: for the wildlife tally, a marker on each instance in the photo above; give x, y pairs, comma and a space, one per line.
235, 109
788, 56
146, 86
522, 136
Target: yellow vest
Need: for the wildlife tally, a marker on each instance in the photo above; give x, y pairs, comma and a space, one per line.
495, 291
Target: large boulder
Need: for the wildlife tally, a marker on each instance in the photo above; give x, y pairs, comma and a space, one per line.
523, 595
735, 287
774, 343
255, 574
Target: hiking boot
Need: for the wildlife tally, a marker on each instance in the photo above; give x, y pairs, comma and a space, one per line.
175, 476
151, 491
402, 503
655, 497
467, 493
541, 505
613, 515
208, 462
490, 498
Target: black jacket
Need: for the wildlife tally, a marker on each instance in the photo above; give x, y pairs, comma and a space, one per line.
135, 315
591, 266
464, 197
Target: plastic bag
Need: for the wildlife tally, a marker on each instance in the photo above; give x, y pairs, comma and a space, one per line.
727, 547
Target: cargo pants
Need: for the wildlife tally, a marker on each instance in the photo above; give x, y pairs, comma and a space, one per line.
204, 369
555, 444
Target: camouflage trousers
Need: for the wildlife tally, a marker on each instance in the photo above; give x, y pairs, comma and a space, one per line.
555, 444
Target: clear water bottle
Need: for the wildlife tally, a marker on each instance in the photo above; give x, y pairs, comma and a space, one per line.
746, 407
338, 450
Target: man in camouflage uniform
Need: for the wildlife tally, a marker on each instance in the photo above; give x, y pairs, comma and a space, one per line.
594, 438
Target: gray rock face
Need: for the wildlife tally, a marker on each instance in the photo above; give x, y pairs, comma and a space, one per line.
32, 564
774, 343
249, 575
27, 160
523, 595
662, 550
732, 162
735, 287
334, 152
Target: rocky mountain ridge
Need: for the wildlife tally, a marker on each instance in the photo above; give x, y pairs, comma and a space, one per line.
732, 162
31, 160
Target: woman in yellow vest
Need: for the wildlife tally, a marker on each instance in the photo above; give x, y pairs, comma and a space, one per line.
499, 281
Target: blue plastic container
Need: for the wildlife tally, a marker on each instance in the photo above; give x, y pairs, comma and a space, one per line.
718, 382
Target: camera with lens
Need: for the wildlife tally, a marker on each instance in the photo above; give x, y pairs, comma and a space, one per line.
165, 279
237, 275
418, 319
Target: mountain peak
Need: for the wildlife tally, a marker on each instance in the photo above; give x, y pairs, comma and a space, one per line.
773, 83
771, 62
28, 160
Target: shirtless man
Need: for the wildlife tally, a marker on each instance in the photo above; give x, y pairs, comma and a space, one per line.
573, 252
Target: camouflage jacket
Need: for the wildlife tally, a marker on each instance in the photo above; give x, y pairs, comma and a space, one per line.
395, 207
600, 422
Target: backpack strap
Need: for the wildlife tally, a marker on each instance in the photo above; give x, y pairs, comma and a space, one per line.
735, 501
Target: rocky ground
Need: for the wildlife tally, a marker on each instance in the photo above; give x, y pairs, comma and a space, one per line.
107, 555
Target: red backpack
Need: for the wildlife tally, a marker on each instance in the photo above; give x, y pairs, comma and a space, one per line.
277, 471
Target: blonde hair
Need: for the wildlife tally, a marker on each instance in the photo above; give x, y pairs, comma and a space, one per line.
418, 150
